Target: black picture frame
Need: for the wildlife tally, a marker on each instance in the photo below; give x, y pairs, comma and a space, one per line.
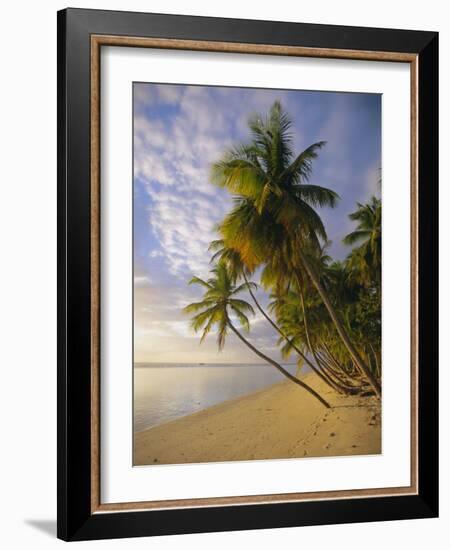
75, 518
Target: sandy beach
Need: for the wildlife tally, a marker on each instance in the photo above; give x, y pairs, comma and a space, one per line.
281, 421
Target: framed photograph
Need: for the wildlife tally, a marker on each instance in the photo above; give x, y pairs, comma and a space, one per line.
247, 274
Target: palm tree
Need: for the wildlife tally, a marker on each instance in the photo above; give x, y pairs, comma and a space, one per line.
235, 266
365, 260
306, 331
274, 221
219, 305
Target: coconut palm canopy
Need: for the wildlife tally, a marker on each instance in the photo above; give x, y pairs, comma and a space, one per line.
204, 173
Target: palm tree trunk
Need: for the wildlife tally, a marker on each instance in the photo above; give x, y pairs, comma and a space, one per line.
343, 385
312, 350
338, 324
377, 364
279, 367
305, 320
331, 357
369, 361
324, 358
337, 383
288, 340
339, 371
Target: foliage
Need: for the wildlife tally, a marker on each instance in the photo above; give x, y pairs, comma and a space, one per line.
219, 302
324, 311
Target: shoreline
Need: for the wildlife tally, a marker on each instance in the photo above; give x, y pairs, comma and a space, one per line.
211, 407
279, 421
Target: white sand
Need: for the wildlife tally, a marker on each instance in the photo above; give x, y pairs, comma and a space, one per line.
282, 421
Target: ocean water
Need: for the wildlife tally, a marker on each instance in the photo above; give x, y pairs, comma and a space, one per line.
164, 392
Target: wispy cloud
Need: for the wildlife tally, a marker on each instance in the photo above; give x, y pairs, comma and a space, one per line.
178, 132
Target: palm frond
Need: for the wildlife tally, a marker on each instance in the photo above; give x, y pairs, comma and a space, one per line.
238, 176
198, 281
222, 332
242, 305
242, 318
300, 169
315, 195
212, 320
199, 320
245, 286
197, 306
356, 236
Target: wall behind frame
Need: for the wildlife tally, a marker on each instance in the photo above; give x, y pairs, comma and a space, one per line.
28, 277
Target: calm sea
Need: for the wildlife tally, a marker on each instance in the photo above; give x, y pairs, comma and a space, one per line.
163, 392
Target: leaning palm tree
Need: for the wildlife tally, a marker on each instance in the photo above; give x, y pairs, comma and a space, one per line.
237, 268
274, 222
217, 308
303, 334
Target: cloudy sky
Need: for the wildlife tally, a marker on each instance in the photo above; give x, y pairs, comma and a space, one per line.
178, 132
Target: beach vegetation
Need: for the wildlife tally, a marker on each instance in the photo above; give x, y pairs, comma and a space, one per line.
324, 312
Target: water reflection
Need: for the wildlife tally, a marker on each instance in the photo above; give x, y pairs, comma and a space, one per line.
164, 392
